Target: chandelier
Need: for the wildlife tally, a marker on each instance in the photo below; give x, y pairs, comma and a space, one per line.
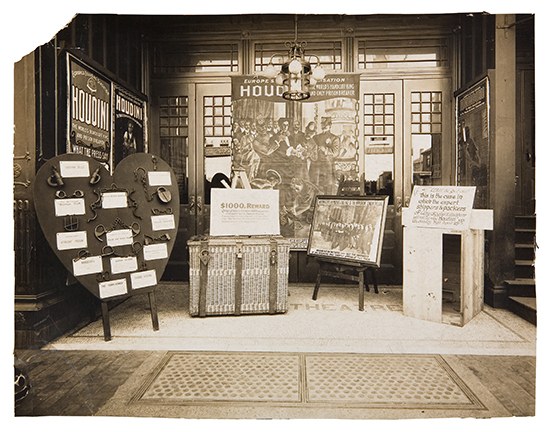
296, 73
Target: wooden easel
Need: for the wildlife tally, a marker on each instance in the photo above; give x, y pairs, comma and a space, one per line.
240, 179
348, 270
105, 316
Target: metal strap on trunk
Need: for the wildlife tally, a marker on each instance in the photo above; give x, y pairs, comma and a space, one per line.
204, 257
273, 275
239, 278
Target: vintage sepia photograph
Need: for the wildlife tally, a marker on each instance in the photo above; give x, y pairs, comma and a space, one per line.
287, 215
348, 228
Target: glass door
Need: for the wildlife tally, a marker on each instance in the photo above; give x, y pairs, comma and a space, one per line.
382, 105
427, 136
172, 115
213, 149
407, 136
191, 129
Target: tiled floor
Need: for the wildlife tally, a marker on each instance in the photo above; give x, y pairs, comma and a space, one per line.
277, 385
333, 323
323, 359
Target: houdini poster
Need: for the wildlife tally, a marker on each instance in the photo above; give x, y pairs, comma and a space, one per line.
300, 148
129, 124
89, 111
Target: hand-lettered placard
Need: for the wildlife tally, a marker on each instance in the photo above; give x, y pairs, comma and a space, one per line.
445, 207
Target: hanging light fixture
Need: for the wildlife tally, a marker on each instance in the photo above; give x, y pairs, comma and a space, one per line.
296, 73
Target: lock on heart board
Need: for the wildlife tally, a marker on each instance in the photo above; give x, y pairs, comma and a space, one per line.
113, 233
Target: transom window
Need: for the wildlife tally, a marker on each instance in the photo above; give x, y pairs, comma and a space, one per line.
179, 57
399, 54
329, 53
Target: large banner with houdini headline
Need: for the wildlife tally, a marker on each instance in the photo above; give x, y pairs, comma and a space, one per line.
299, 148
89, 112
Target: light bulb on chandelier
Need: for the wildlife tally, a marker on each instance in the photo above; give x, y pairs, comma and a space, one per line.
295, 73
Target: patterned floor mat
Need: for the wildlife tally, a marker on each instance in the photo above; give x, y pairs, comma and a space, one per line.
336, 380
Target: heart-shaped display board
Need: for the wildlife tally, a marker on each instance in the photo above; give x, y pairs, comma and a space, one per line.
113, 233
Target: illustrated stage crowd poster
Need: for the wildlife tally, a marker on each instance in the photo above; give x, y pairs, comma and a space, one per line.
473, 141
300, 148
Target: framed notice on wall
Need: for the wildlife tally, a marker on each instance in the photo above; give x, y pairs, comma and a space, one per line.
349, 229
88, 112
129, 118
472, 123
105, 120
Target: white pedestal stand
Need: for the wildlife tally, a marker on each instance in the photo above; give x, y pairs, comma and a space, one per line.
423, 268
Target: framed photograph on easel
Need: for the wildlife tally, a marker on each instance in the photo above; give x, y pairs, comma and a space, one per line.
348, 229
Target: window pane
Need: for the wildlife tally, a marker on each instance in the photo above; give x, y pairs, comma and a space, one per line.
399, 54
174, 139
179, 57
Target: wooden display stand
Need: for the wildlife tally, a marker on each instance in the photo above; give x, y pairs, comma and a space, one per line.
106, 320
423, 268
350, 271
113, 233
340, 252
355, 272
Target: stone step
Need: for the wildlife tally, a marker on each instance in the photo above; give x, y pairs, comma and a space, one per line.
524, 269
525, 235
526, 221
524, 251
521, 287
524, 307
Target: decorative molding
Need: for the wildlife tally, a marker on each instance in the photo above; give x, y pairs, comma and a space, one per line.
18, 169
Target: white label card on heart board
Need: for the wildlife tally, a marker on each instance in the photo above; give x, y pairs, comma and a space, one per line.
113, 288
88, 265
155, 251
143, 279
119, 237
70, 206
163, 222
123, 264
111, 200
71, 240
159, 178
73, 169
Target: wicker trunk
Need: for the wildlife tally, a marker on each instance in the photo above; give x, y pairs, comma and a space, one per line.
238, 275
